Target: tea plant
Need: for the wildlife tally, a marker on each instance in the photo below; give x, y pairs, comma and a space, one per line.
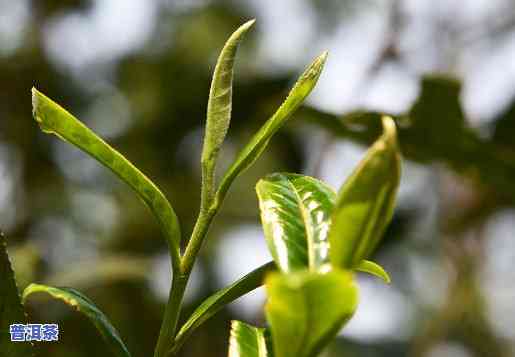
318, 238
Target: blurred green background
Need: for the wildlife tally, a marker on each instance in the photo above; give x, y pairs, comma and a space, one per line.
138, 72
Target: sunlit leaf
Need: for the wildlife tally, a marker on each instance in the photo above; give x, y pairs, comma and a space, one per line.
366, 201
11, 308
220, 100
306, 310
367, 266
54, 119
251, 152
295, 212
217, 301
248, 341
82, 304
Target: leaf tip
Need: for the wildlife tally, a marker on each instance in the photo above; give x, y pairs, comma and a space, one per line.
249, 23
390, 138
244, 28
31, 288
234, 325
385, 277
367, 266
323, 57
312, 73
318, 64
40, 105
389, 128
35, 94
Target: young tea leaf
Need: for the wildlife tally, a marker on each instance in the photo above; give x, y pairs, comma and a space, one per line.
215, 302
251, 152
248, 341
306, 310
366, 201
220, 100
296, 212
54, 119
11, 308
367, 266
82, 304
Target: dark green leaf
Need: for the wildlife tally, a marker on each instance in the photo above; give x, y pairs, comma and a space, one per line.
259, 141
82, 304
54, 119
220, 100
367, 266
295, 212
11, 308
215, 302
366, 201
247, 341
306, 310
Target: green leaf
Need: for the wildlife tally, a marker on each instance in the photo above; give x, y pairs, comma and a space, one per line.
366, 201
82, 304
247, 341
296, 212
367, 266
54, 119
220, 100
11, 308
217, 301
306, 310
251, 152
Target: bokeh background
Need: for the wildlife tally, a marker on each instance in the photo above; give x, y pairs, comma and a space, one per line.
138, 72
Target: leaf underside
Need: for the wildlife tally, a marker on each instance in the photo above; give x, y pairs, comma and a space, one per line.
11, 308
81, 303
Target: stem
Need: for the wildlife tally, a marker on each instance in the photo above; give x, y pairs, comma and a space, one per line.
171, 316
183, 271
197, 238
204, 219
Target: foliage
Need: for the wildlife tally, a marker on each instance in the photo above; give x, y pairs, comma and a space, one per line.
11, 309
81, 303
318, 238
248, 341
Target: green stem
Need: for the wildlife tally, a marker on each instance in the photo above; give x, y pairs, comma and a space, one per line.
171, 316
173, 308
206, 215
197, 238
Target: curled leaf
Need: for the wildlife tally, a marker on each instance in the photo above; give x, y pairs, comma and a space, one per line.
365, 202
82, 304
251, 152
220, 100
